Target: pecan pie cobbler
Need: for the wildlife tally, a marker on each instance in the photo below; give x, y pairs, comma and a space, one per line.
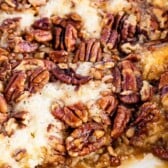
83, 83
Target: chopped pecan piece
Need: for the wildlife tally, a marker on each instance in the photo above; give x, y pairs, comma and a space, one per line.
30, 64
65, 38
15, 86
3, 104
70, 37
161, 152
42, 35
163, 80
89, 51
38, 78
116, 79
73, 115
86, 139
146, 91
69, 76
121, 120
108, 104
10, 24
59, 56
43, 24
115, 161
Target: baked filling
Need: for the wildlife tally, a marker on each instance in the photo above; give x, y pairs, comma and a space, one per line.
83, 83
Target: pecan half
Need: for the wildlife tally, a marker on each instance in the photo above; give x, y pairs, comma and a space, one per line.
69, 76
163, 80
73, 115
86, 139
38, 78
148, 112
56, 155
117, 30
131, 82
5, 68
116, 74
121, 120
89, 51
42, 35
115, 161
161, 152
59, 56
65, 38
15, 86
108, 104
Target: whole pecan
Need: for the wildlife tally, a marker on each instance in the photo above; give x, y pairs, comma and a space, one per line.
73, 115
15, 87
131, 83
42, 23
161, 152
38, 78
86, 139
69, 76
121, 120
115, 161
89, 51
108, 104
65, 38
59, 56
73, 18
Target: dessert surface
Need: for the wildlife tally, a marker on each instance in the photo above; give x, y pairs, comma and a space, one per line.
83, 83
